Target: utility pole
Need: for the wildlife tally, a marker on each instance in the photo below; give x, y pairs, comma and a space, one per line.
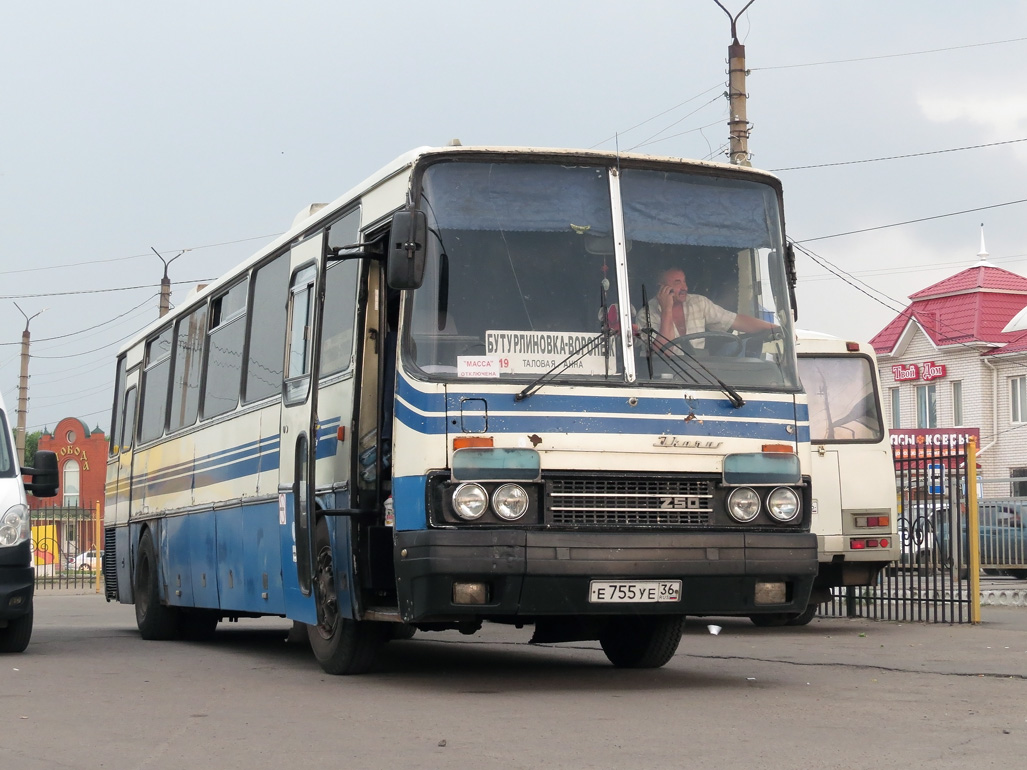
738, 122
23, 385
165, 282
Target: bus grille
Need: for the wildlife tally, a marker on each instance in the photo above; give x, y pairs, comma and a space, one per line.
633, 501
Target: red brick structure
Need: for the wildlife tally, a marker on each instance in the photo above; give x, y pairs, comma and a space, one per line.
81, 464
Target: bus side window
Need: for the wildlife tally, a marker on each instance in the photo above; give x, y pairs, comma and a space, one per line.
185, 388
301, 306
155, 385
264, 370
118, 417
128, 425
224, 351
339, 316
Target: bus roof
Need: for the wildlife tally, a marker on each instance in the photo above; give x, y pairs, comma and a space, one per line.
315, 213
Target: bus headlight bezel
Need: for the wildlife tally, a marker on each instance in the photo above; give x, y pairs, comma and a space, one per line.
743, 504
510, 502
470, 501
784, 505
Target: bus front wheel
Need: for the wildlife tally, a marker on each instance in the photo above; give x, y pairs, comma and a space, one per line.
156, 621
642, 641
341, 645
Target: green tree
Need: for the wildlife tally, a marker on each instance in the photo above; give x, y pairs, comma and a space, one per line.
31, 445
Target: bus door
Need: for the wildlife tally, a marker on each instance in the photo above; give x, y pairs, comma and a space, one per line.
298, 431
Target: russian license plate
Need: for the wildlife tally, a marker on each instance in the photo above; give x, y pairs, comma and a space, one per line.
634, 591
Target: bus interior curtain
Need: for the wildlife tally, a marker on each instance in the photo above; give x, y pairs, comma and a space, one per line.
660, 207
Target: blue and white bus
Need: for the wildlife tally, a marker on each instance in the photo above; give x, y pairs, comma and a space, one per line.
442, 400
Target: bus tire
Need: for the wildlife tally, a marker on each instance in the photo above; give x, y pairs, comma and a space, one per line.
156, 621
15, 637
643, 641
341, 645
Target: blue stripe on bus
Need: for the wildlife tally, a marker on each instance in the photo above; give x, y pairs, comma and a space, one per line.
705, 406
232, 463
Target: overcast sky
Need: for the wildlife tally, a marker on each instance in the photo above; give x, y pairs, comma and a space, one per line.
207, 125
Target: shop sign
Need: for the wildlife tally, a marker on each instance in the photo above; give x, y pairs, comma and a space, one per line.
927, 371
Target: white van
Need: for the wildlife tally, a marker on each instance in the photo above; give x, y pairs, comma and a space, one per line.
17, 578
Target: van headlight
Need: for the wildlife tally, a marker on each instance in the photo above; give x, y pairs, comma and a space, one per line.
15, 526
743, 504
783, 504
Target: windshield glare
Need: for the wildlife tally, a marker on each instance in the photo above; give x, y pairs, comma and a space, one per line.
521, 276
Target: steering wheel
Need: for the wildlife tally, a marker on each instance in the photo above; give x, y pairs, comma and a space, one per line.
685, 341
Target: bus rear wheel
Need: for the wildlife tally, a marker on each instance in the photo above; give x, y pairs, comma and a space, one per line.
341, 645
156, 621
642, 641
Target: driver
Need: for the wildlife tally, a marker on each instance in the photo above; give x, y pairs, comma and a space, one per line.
673, 313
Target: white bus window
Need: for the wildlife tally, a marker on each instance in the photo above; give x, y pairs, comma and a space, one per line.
155, 385
185, 390
267, 330
842, 402
224, 351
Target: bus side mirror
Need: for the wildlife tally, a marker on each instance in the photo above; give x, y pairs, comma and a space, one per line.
407, 249
43, 473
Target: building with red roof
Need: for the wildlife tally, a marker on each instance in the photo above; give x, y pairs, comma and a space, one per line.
956, 356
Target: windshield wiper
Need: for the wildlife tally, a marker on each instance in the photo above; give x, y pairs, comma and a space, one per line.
675, 364
573, 357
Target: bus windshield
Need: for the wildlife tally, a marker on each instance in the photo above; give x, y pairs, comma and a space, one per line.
522, 276
842, 401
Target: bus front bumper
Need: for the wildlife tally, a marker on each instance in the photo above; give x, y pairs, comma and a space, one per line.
517, 574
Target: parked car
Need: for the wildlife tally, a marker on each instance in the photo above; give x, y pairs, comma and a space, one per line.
1002, 537
86, 560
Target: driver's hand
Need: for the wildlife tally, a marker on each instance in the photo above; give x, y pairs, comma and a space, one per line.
665, 296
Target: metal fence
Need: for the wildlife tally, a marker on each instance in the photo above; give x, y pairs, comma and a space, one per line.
937, 577
67, 545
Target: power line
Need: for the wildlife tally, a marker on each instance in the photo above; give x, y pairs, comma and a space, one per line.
118, 317
658, 115
888, 56
899, 157
912, 221
136, 256
100, 291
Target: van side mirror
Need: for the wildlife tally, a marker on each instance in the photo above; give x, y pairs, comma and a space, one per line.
792, 279
407, 248
43, 473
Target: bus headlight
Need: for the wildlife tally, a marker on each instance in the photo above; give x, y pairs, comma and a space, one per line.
783, 504
470, 501
743, 504
510, 502
15, 526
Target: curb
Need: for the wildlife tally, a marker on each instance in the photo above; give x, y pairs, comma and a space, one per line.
1005, 597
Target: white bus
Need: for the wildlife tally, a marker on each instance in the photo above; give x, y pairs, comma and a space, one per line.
441, 401
854, 499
